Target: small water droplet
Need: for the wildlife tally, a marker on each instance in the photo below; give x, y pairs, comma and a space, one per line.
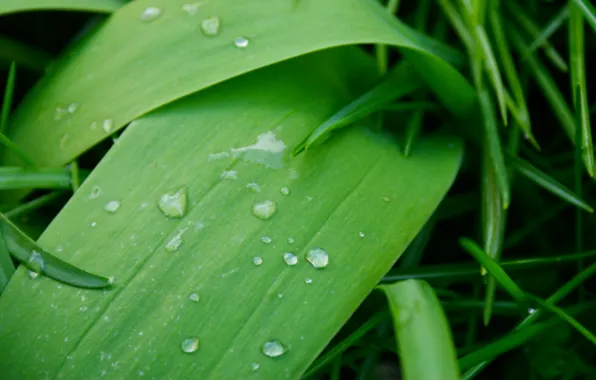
229, 174
285, 191
308, 280
318, 257
59, 113
150, 14
108, 125
308, 198
112, 206
191, 9
210, 26
173, 204
64, 141
255, 366
218, 156
403, 316
280, 295
72, 108
266, 239
273, 348
531, 310
254, 187
257, 260
93, 125
194, 297
291, 240
290, 258
386, 199
174, 243
241, 42
93, 224
32, 275
190, 345
361, 234
95, 192
36, 262
264, 210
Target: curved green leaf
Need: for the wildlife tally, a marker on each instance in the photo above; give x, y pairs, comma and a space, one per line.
99, 6
115, 80
356, 197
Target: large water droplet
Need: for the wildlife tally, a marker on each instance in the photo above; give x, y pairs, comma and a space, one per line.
254, 187
318, 257
273, 348
190, 345
95, 192
108, 125
194, 297
112, 206
36, 262
266, 239
285, 191
257, 260
173, 204
241, 42
150, 14
210, 26
264, 210
290, 258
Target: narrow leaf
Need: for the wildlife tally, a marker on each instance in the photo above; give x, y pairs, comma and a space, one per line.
12, 177
425, 344
550, 29
6, 265
588, 11
8, 93
99, 6
492, 68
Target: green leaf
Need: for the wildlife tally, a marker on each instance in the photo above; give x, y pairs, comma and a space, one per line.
99, 67
24, 55
426, 349
399, 83
7, 99
588, 11
340, 190
14, 177
40, 261
98, 6
6, 265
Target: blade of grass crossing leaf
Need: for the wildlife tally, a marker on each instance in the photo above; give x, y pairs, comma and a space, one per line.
578, 85
578, 182
550, 29
494, 269
8, 93
412, 131
6, 265
12, 177
16, 150
588, 11
548, 183
566, 317
423, 336
531, 28
381, 50
38, 260
493, 145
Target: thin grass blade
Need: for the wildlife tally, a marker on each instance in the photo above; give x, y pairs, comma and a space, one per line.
588, 11
550, 29
8, 92
412, 132
492, 69
13, 177
34, 204
422, 332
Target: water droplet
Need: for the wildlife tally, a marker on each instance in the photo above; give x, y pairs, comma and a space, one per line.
264, 210
173, 204
64, 141
60, 113
72, 108
255, 366
191, 9
268, 151
190, 345
403, 316
112, 206
273, 348
241, 42
386, 199
194, 297
210, 26
174, 243
32, 275
93, 224
35, 261
150, 14
290, 258
291, 240
318, 257
257, 260
254, 187
531, 310
229, 174
308, 280
108, 125
361, 234
95, 192
218, 156
285, 191
266, 239
308, 198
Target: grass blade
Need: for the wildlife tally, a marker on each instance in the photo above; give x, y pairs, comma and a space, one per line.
547, 182
492, 68
12, 177
399, 83
38, 260
494, 269
381, 50
588, 11
33, 204
412, 132
422, 332
99, 6
550, 29
6, 265
493, 145
7, 100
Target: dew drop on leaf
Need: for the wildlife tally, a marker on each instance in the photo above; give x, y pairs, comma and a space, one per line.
174, 243
284, 191
290, 258
95, 192
254, 187
291, 240
257, 260
273, 348
210, 26
112, 206
361, 234
266, 239
72, 108
173, 204
308, 280
35, 261
318, 257
108, 125
190, 345
64, 141
264, 210
240, 42
229, 175
255, 366
150, 14
194, 297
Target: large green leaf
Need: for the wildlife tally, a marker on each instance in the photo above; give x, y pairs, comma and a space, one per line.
112, 80
99, 6
355, 196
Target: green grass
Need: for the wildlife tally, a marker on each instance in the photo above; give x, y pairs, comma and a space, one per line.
444, 160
